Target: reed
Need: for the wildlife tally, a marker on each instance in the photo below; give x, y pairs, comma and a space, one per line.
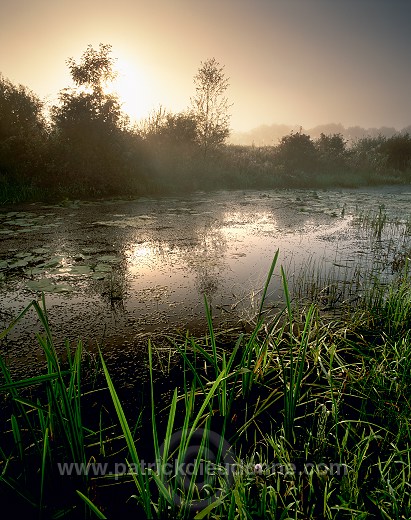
47, 427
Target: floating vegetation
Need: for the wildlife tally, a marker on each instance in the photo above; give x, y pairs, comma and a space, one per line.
45, 269
47, 285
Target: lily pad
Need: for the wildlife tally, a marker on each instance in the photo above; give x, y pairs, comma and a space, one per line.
53, 262
24, 214
37, 259
109, 258
11, 223
48, 226
102, 268
80, 269
19, 263
33, 270
19, 222
61, 288
80, 257
98, 276
40, 250
46, 285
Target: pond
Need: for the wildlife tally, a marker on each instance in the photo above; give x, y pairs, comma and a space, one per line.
114, 271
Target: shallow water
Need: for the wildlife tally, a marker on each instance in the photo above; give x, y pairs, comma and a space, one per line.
112, 270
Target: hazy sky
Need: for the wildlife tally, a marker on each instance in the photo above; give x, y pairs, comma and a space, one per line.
299, 62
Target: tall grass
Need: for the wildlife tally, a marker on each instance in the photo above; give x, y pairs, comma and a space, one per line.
56, 414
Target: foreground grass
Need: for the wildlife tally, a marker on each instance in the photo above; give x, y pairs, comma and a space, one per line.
305, 416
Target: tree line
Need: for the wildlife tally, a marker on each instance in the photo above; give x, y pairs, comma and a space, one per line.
86, 146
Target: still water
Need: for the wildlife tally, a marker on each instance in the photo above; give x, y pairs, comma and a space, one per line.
114, 270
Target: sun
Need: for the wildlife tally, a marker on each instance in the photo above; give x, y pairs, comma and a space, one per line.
133, 89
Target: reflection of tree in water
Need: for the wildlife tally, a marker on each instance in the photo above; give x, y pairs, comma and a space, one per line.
206, 260
193, 242
207, 282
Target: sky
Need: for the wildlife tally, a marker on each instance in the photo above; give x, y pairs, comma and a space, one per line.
297, 62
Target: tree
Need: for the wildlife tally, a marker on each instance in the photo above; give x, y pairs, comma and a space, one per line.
297, 153
332, 151
171, 149
163, 127
88, 102
89, 124
366, 156
22, 131
95, 70
331, 146
210, 106
398, 151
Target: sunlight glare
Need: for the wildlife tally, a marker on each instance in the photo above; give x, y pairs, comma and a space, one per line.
142, 251
132, 88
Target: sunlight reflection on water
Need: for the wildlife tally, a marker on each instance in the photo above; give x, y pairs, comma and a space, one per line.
145, 265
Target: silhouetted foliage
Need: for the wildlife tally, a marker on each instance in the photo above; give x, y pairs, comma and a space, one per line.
95, 70
332, 151
88, 147
366, 155
297, 153
89, 125
164, 127
153, 124
331, 146
210, 106
171, 149
22, 132
398, 151
180, 129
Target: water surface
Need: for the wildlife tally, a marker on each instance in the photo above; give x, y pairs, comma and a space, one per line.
114, 270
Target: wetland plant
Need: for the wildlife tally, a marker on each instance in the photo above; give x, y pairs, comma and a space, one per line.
37, 423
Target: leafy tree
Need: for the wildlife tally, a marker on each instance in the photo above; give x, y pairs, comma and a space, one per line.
332, 145
88, 103
366, 155
153, 124
88, 123
95, 70
332, 151
296, 152
163, 127
180, 129
22, 131
170, 143
210, 106
398, 151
